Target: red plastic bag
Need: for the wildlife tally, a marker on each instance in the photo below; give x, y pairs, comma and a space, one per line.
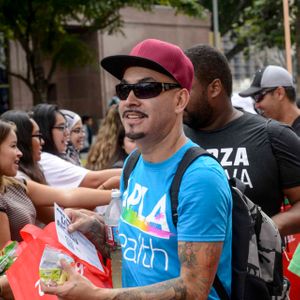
23, 275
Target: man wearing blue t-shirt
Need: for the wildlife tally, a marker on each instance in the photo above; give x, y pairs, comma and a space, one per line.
161, 261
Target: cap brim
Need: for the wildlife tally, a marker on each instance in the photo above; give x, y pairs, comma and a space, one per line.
252, 90
117, 65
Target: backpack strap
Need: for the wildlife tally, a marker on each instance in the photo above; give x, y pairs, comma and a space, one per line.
130, 165
190, 155
217, 284
235, 182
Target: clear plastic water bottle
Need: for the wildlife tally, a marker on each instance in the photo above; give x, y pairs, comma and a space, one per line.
111, 217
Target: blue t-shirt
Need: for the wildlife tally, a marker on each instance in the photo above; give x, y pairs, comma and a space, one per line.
147, 234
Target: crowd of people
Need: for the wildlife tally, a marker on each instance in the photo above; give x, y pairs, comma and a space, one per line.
168, 100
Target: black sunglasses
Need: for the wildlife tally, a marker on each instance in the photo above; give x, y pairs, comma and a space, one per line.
144, 90
260, 96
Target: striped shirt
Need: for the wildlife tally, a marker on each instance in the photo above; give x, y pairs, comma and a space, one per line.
19, 209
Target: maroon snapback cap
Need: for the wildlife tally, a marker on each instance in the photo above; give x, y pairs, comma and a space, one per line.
156, 55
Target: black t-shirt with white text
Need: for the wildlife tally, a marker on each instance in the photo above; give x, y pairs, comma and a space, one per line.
265, 157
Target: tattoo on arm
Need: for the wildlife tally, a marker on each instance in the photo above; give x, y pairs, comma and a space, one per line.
199, 262
198, 267
97, 236
187, 254
170, 289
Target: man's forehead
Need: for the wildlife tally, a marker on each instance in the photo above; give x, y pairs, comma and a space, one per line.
137, 74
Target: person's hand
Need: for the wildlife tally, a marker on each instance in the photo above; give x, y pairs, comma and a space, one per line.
81, 219
76, 287
111, 183
90, 224
6, 292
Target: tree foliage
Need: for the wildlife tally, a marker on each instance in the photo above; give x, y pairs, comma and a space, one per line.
48, 29
257, 23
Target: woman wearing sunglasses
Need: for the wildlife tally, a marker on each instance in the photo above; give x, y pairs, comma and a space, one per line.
57, 171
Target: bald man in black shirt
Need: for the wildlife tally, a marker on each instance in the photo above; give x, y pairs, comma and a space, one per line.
264, 154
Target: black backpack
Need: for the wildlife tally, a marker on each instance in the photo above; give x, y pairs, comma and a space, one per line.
257, 272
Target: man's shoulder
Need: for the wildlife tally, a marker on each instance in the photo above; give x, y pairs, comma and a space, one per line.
246, 125
296, 125
246, 120
273, 129
204, 161
277, 129
206, 168
257, 128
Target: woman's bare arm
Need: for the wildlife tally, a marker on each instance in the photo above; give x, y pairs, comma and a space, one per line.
43, 195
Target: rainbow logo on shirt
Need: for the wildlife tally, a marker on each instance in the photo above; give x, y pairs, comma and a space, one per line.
131, 217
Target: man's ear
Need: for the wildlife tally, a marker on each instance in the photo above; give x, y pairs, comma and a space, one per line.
182, 99
215, 88
281, 93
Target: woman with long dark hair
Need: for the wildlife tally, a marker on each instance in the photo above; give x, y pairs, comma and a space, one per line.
30, 142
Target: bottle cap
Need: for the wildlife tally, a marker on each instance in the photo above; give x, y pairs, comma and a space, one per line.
115, 193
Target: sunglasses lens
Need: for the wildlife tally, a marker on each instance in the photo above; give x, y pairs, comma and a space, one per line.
147, 90
257, 98
122, 91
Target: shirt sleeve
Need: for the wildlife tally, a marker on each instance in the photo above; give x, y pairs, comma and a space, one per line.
286, 147
61, 173
205, 203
